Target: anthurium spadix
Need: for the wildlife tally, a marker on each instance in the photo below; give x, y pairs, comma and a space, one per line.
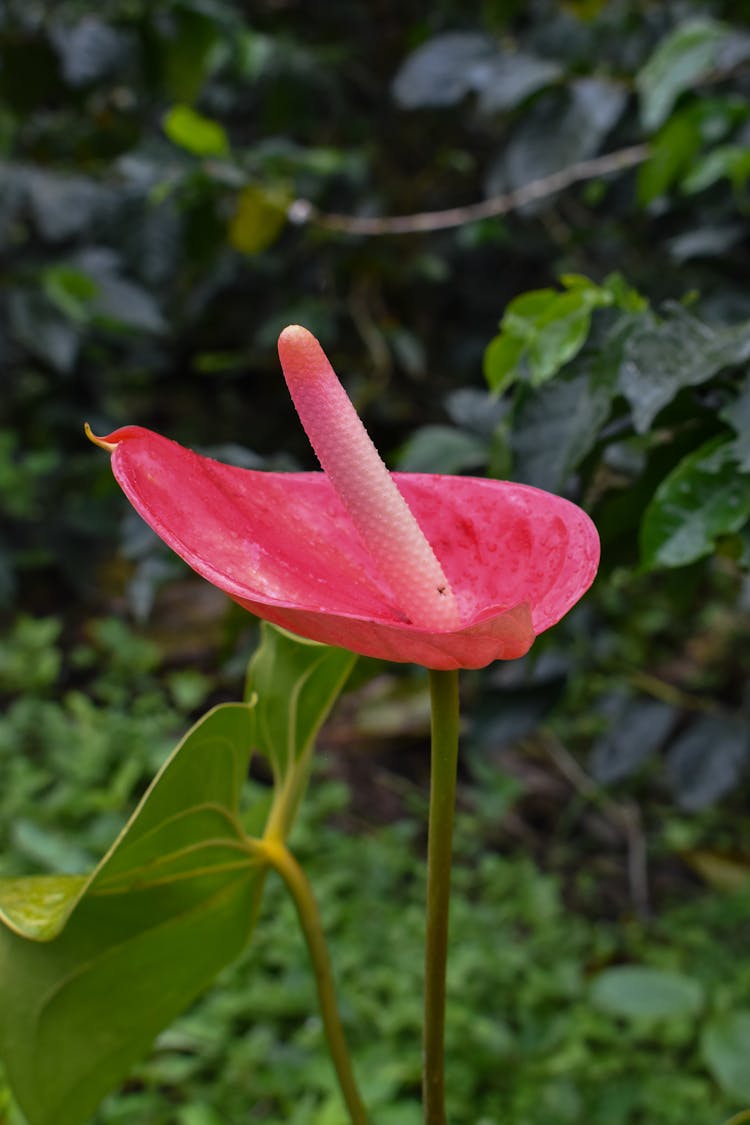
447, 572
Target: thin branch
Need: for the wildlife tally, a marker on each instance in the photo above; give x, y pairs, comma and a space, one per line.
303, 211
674, 696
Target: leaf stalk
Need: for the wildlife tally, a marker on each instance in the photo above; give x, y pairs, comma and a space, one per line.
445, 720
281, 859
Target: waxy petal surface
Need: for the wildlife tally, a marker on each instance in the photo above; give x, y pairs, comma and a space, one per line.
283, 546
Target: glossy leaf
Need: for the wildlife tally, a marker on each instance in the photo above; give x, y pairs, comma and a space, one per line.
443, 70
639, 992
663, 356
544, 329
188, 50
737, 414
259, 218
637, 729
293, 683
556, 427
71, 290
559, 128
561, 333
476, 411
672, 151
64, 206
92, 968
442, 449
118, 300
502, 359
702, 499
507, 80
706, 760
687, 54
195, 133
705, 241
88, 50
731, 162
38, 325
725, 1046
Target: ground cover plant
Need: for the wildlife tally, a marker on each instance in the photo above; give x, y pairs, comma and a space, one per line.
512, 922
168, 171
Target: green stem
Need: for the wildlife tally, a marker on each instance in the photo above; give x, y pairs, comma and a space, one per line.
444, 698
282, 860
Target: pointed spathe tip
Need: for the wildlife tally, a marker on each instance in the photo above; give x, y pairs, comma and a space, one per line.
108, 446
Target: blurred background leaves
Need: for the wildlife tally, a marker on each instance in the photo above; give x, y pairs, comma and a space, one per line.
166, 173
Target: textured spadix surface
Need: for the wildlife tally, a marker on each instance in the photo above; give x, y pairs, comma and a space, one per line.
404, 558
284, 547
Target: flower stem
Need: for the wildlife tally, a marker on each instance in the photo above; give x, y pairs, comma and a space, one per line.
444, 698
282, 860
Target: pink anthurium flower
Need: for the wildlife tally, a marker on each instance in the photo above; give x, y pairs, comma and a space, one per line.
447, 572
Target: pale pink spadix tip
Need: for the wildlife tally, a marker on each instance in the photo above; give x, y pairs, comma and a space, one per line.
405, 559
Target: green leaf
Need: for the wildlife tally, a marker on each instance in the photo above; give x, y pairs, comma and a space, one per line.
622, 295
40, 327
119, 303
294, 682
38, 906
637, 728
661, 357
523, 312
64, 206
706, 760
71, 290
195, 133
91, 969
681, 60
543, 329
558, 129
441, 71
562, 331
737, 414
189, 52
638, 992
731, 162
702, 499
442, 449
556, 427
88, 50
509, 79
672, 151
501, 361
725, 1046
259, 218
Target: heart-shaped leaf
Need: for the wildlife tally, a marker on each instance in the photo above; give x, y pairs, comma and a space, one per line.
91, 969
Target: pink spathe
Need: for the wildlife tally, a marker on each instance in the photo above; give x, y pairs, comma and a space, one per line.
284, 546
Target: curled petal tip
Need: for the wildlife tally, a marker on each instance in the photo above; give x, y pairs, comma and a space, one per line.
108, 446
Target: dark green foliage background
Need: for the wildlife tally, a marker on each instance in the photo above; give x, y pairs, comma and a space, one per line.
148, 153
